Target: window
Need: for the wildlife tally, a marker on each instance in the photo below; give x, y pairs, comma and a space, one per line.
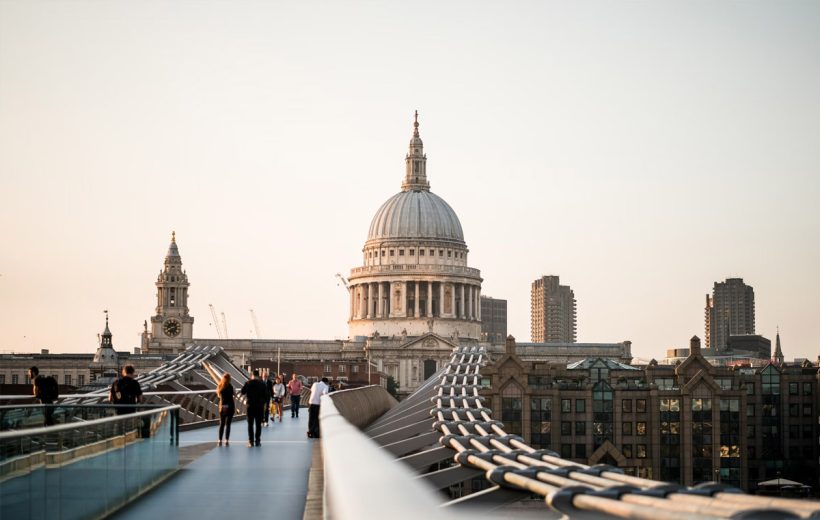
67, 379
539, 382
14, 379
641, 450
580, 428
750, 431
566, 428
794, 431
750, 410
793, 388
566, 451
566, 406
342, 369
432, 252
580, 406
511, 405
392, 252
724, 383
640, 405
806, 410
750, 388
328, 369
412, 252
401, 252
441, 252
2, 379
626, 428
752, 453
770, 381
807, 433
806, 388
640, 428
665, 383
794, 410
626, 405
421, 252
580, 451
449, 253
540, 425
81, 380
626, 449
354, 369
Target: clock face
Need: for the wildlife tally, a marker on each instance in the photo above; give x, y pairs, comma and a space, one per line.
171, 328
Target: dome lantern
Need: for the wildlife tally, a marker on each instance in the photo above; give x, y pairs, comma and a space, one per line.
415, 177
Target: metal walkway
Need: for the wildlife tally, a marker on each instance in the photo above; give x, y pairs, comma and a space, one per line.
236, 480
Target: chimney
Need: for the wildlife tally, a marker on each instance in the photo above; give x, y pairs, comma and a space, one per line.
509, 346
694, 346
44, 351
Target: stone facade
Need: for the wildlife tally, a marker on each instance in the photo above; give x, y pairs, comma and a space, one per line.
688, 423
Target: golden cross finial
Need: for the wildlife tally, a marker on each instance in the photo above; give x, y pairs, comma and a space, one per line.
174, 236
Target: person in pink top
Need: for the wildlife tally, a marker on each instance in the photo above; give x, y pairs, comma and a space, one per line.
295, 389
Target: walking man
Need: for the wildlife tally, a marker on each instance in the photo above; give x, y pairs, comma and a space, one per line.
46, 391
257, 398
126, 390
295, 389
318, 389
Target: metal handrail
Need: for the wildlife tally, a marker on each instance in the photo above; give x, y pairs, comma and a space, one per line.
95, 422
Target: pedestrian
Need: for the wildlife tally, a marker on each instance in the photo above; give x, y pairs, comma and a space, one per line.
257, 397
126, 392
227, 407
46, 391
269, 387
295, 389
318, 389
278, 397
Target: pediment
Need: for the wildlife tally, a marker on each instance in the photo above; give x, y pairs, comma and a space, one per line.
693, 364
429, 341
612, 450
702, 384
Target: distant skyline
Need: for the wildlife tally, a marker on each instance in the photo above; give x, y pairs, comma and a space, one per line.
640, 150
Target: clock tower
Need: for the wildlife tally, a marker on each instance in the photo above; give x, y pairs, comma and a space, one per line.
172, 326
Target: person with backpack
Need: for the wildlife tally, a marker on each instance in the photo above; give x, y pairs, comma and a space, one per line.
46, 391
257, 398
126, 391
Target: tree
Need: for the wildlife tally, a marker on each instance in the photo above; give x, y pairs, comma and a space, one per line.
392, 387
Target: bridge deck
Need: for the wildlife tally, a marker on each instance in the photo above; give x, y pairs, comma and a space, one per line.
227, 480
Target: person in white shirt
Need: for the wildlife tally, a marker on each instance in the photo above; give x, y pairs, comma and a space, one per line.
278, 397
318, 389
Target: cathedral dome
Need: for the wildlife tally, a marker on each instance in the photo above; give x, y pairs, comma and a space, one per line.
415, 214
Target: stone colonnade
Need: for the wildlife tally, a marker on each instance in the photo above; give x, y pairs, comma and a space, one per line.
420, 299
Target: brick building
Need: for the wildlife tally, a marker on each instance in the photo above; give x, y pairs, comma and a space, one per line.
688, 423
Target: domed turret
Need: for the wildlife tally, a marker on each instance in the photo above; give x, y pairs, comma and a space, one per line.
415, 278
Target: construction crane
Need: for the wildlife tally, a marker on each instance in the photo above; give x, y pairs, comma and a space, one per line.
255, 324
224, 326
216, 321
343, 280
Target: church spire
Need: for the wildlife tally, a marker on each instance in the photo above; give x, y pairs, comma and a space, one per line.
415, 176
778, 352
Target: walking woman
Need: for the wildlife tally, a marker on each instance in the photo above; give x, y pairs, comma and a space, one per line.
226, 407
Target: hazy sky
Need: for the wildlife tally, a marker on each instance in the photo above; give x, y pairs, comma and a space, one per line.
640, 150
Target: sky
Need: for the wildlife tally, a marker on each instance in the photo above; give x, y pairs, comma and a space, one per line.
640, 150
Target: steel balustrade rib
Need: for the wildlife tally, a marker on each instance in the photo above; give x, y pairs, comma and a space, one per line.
463, 431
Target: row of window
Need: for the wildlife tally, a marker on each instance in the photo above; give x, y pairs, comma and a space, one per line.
342, 369
412, 252
67, 379
581, 451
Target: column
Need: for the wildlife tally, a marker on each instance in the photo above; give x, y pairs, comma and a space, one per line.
461, 294
471, 307
380, 304
453, 301
417, 286
361, 301
352, 302
478, 299
404, 298
369, 301
429, 299
441, 299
